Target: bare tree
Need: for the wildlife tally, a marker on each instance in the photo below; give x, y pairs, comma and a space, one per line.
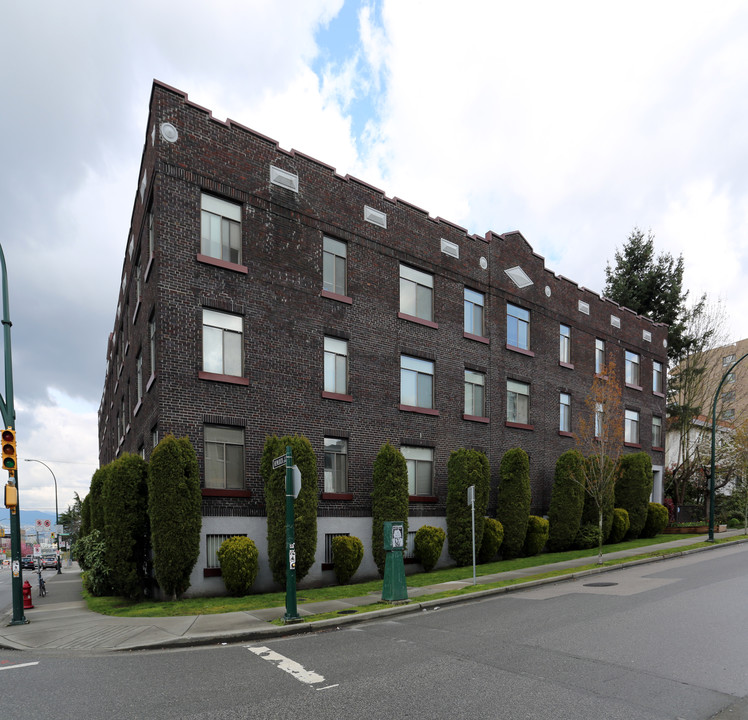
600, 440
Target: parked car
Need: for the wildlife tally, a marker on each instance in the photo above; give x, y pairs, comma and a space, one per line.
49, 561
27, 563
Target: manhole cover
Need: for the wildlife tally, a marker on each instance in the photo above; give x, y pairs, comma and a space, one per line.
600, 584
346, 612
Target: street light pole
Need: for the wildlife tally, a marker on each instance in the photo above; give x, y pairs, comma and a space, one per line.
57, 515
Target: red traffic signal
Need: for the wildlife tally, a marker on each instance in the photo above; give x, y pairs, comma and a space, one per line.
9, 459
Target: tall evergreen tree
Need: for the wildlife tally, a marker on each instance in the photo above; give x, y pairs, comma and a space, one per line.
649, 285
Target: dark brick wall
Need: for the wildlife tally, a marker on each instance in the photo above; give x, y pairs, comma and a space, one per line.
286, 319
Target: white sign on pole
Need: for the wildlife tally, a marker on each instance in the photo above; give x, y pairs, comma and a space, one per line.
296, 481
471, 495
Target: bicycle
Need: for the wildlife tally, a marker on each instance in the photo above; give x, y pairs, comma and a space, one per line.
42, 584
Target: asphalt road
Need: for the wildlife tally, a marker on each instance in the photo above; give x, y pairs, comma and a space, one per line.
665, 641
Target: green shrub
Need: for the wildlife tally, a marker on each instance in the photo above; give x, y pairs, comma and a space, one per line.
389, 498
567, 501
96, 504
620, 526
633, 490
347, 554
305, 505
734, 523
656, 522
429, 542
466, 468
588, 536
493, 536
239, 560
513, 500
175, 512
96, 572
536, 536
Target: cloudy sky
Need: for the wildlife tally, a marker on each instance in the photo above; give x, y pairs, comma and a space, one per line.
572, 122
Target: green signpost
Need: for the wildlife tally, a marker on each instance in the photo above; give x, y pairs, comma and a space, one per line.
393, 584
292, 615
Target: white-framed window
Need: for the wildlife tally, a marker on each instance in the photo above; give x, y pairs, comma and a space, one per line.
517, 327
416, 382
517, 402
336, 465
656, 376
212, 546
730, 377
564, 422
475, 393
564, 350
599, 355
416, 293
151, 235
224, 457
656, 431
420, 462
599, 419
336, 365
474, 315
632, 368
222, 343
138, 273
221, 229
334, 266
631, 433
728, 396
139, 375
154, 436
727, 360
152, 341
729, 414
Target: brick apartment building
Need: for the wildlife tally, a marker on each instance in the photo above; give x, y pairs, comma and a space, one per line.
262, 293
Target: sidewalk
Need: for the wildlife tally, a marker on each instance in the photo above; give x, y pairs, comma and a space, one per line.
62, 623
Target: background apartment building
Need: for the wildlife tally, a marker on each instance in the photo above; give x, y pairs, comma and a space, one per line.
262, 293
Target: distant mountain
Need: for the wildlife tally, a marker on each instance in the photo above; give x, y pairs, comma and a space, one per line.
28, 518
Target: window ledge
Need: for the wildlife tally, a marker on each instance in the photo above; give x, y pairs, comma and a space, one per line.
216, 377
633, 445
150, 382
220, 492
658, 394
422, 411
137, 310
148, 268
334, 296
216, 262
563, 433
337, 496
476, 418
570, 366
417, 320
423, 499
519, 426
211, 572
328, 566
634, 387
521, 351
657, 448
477, 338
337, 396
137, 407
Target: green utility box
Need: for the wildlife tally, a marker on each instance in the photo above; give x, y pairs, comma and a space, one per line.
394, 587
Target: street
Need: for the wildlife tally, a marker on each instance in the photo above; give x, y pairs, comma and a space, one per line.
656, 641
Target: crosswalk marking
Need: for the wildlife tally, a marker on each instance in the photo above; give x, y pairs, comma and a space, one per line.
15, 667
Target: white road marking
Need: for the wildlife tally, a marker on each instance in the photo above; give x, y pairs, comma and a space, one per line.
14, 667
298, 671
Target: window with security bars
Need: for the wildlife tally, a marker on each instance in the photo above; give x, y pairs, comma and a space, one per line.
328, 545
410, 548
212, 544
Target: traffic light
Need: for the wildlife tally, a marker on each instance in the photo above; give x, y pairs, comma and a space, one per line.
10, 461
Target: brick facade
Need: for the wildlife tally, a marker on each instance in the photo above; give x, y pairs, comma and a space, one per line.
277, 291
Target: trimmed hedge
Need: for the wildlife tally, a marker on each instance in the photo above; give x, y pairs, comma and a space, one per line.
96, 504
466, 468
567, 501
633, 490
429, 542
305, 505
347, 554
656, 522
493, 536
389, 498
239, 560
513, 500
537, 535
588, 536
620, 526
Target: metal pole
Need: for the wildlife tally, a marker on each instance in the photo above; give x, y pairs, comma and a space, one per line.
292, 614
57, 514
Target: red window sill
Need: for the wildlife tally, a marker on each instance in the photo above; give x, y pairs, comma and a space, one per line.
519, 426
633, 445
216, 262
211, 572
420, 410
520, 350
476, 418
657, 448
337, 396
215, 377
423, 499
335, 296
337, 496
218, 492
634, 387
477, 338
419, 321
563, 433
566, 365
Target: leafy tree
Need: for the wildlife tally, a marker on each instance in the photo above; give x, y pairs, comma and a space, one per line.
96, 505
70, 519
389, 498
633, 490
85, 526
305, 505
567, 501
91, 558
648, 285
175, 511
466, 468
513, 500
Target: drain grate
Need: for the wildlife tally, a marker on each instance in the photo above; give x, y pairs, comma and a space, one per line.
600, 584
